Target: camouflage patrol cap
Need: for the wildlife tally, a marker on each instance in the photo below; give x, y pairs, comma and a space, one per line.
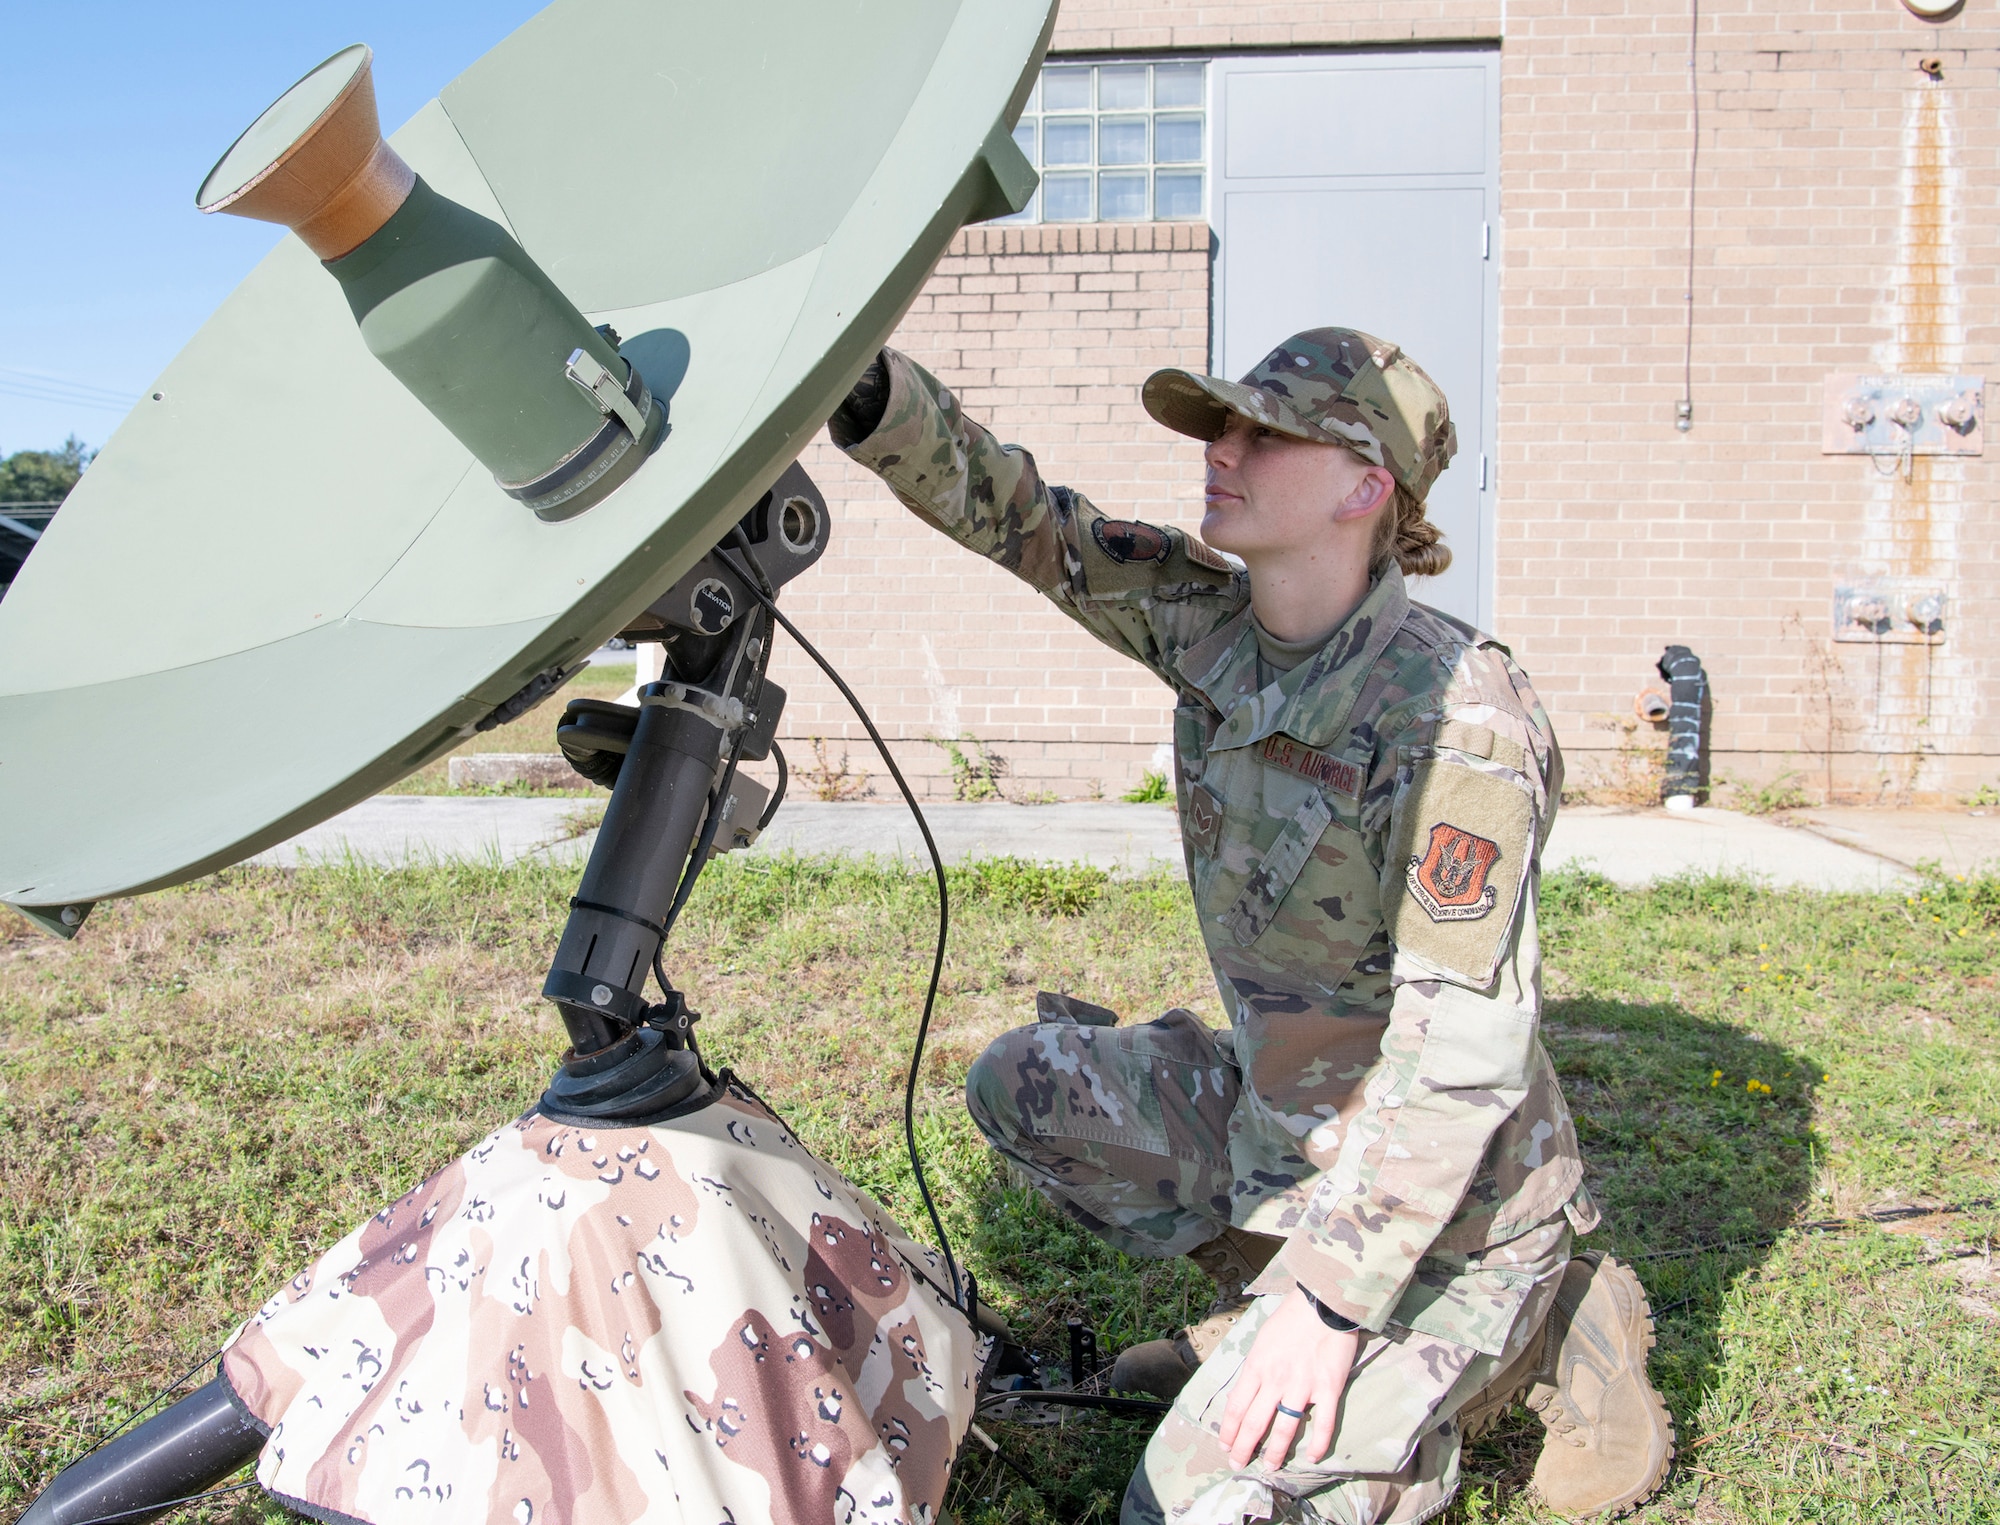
1335, 386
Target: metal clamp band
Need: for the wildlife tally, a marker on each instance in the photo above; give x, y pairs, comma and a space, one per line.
593, 994
613, 399
724, 714
658, 929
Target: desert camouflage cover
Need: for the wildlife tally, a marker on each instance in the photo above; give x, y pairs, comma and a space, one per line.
694, 1322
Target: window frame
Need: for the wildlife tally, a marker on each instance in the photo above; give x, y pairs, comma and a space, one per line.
1090, 174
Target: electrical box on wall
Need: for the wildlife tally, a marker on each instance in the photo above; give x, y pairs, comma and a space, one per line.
1894, 611
1904, 415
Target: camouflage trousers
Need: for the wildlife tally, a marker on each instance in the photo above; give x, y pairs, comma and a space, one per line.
1126, 1130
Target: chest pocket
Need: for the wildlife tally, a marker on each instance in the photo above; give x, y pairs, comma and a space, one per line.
1320, 919
1274, 876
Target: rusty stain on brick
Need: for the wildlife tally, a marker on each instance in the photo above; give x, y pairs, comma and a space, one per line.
1912, 700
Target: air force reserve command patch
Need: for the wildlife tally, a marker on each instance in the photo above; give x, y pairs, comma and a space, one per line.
1463, 841
1449, 877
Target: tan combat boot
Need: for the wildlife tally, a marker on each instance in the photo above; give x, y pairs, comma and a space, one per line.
1610, 1437
1233, 1259
1499, 1395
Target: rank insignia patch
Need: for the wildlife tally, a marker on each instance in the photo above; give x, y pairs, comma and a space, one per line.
1127, 540
1204, 820
1448, 879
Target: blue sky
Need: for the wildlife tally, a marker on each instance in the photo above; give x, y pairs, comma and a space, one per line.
112, 114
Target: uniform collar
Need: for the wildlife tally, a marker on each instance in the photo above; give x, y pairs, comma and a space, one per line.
1313, 700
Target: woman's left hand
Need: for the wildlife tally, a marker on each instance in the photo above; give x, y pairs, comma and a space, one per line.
1295, 1362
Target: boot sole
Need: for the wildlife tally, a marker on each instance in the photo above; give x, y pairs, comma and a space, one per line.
1657, 1404
1649, 1337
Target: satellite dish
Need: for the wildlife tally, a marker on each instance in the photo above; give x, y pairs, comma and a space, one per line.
296, 574
403, 481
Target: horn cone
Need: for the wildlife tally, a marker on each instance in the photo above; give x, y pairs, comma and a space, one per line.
315, 161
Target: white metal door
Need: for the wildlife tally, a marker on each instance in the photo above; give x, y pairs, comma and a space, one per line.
1361, 190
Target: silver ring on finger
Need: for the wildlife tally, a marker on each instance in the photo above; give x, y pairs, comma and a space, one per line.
1292, 1413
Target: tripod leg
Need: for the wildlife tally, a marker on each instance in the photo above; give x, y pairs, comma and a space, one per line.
179, 1451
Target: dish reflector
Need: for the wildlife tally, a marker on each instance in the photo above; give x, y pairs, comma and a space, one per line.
284, 583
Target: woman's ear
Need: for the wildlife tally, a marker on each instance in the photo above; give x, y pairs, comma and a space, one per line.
1368, 494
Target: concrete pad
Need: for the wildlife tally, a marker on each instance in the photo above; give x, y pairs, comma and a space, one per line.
395, 830
493, 770
1635, 847
1958, 841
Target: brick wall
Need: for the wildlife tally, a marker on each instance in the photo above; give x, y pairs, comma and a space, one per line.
1845, 222
1045, 333
1121, 26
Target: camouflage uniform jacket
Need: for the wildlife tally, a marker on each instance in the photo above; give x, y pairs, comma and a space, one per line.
1361, 835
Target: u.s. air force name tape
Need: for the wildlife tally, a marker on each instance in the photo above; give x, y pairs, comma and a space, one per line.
1335, 773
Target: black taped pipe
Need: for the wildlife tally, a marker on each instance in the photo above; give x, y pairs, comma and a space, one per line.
1687, 712
177, 1453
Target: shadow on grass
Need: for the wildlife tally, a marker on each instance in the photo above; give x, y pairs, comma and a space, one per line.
1039, 1270
1698, 1142
1694, 1164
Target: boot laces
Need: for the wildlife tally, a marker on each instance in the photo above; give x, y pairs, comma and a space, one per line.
1558, 1420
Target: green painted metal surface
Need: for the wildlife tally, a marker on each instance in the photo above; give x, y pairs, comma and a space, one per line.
285, 584
447, 300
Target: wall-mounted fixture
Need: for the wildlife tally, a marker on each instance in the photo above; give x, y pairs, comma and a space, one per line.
1934, 10
1895, 418
1889, 611
1685, 775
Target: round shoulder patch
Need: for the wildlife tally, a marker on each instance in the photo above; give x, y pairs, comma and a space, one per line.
1127, 540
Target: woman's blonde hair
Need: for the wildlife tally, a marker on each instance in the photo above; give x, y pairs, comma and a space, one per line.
1403, 535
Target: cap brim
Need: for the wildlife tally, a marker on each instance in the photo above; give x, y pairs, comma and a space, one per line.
1199, 406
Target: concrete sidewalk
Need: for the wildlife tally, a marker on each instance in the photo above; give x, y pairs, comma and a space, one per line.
1838, 849
1635, 847
1115, 836
1958, 841
395, 830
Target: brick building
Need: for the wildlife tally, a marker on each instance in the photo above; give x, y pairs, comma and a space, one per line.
1504, 188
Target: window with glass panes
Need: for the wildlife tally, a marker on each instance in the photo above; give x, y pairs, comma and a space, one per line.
1117, 142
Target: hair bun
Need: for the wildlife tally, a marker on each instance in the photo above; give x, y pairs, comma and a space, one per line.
1415, 544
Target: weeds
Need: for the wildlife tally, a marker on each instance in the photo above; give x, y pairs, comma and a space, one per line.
830, 781
1784, 792
1152, 789
1634, 772
975, 776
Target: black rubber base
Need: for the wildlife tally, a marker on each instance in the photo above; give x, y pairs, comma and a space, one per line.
646, 1078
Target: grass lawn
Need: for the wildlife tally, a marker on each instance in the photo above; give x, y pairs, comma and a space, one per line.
533, 732
215, 1083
